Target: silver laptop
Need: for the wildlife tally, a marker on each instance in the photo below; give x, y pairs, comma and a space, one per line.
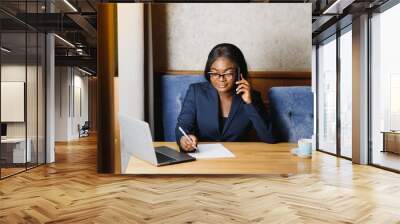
136, 141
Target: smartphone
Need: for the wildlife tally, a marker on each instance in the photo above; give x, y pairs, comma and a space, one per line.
238, 77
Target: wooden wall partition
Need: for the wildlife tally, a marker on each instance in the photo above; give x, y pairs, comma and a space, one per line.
263, 81
107, 68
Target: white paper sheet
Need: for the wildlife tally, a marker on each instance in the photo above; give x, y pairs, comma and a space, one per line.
211, 151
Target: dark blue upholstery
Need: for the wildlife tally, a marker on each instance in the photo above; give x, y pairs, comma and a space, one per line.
292, 112
174, 89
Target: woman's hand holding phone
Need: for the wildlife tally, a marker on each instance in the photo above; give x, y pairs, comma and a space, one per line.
243, 87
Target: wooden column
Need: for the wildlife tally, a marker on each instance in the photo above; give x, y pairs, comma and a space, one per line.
107, 70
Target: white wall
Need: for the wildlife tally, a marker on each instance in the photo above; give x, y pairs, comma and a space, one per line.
79, 117
13, 101
131, 59
67, 115
273, 37
12, 73
62, 82
33, 126
16, 72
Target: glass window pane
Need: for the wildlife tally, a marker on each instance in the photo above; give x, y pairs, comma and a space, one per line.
41, 98
31, 97
13, 87
32, 87
327, 96
385, 86
346, 94
22, 89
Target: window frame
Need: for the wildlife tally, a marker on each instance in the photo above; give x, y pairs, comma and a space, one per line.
381, 9
334, 37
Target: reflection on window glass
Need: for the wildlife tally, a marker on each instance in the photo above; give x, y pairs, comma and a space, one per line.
22, 87
31, 100
41, 98
327, 96
394, 102
15, 150
346, 94
385, 86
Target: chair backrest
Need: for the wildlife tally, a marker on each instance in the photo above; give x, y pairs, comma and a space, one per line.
174, 89
292, 112
86, 125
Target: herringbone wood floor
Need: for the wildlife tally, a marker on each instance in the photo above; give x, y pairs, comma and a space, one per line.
70, 191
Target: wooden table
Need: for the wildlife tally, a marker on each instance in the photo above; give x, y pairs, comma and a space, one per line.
250, 158
391, 141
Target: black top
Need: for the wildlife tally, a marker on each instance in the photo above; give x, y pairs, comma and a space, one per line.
222, 121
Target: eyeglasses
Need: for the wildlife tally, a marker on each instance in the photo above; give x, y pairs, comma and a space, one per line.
226, 75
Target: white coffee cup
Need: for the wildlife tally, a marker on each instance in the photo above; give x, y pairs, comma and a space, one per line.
304, 147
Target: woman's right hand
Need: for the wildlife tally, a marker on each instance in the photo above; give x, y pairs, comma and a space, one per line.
188, 146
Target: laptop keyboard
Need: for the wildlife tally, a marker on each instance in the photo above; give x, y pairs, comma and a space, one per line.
161, 158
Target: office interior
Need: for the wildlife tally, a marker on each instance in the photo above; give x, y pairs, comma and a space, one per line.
32, 119
56, 96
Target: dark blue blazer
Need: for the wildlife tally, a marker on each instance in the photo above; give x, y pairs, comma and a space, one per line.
200, 116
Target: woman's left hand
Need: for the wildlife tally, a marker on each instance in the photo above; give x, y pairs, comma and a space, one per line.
243, 87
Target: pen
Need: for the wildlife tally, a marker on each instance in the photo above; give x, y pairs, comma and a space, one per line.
184, 133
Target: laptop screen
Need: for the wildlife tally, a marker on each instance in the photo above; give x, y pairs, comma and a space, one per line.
3, 129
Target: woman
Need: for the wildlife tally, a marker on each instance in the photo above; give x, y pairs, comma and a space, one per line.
225, 108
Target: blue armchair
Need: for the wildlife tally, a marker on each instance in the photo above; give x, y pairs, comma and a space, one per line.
173, 91
292, 112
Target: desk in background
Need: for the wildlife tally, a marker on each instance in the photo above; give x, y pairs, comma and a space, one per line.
13, 150
250, 158
391, 141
